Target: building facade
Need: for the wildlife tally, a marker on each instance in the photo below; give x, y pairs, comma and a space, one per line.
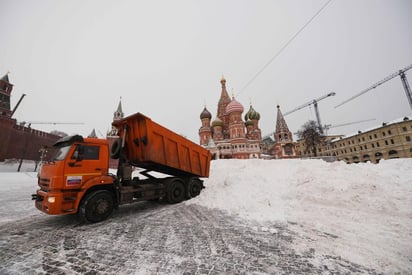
391, 140
228, 136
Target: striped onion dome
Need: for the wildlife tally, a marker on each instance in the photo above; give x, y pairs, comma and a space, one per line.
252, 114
249, 123
234, 106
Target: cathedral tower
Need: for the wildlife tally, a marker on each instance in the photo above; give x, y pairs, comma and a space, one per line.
205, 132
221, 108
282, 133
252, 124
284, 146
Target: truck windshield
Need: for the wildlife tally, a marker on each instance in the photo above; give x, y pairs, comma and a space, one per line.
61, 153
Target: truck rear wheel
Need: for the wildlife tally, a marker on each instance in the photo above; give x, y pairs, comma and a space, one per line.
175, 191
96, 206
194, 187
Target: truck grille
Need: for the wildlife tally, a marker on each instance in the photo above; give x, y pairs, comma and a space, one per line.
44, 183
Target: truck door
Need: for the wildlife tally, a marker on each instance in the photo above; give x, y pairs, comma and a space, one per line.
82, 164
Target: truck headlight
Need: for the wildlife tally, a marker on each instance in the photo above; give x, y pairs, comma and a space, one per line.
51, 199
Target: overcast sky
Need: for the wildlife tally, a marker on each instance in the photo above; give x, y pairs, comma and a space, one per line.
75, 59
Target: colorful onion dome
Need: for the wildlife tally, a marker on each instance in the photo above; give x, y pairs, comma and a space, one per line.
249, 123
217, 122
252, 114
205, 114
234, 106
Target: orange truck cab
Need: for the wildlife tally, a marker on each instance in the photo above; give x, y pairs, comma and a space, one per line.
77, 180
79, 165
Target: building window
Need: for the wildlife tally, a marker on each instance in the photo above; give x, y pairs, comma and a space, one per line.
404, 129
370, 137
408, 138
377, 144
392, 142
386, 142
383, 134
393, 153
363, 138
389, 132
373, 145
366, 147
375, 136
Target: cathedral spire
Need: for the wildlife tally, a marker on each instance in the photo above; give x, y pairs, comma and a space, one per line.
282, 132
221, 108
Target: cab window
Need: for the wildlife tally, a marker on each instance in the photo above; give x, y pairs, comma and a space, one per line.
86, 152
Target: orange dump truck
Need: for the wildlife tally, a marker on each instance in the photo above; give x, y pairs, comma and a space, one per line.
77, 179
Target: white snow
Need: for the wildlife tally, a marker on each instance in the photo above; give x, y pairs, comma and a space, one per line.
368, 207
361, 212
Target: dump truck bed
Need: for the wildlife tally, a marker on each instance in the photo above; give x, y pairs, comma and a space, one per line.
153, 147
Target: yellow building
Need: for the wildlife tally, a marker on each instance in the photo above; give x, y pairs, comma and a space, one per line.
391, 140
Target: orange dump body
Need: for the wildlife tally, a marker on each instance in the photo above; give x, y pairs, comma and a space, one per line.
153, 147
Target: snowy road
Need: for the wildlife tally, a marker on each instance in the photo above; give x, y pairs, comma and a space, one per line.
152, 238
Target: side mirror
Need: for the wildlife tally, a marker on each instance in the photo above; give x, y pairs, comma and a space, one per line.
78, 153
80, 150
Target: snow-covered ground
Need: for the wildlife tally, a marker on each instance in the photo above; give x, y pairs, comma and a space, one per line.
360, 212
368, 207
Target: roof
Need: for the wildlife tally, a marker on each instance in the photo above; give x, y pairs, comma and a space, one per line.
5, 78
281, 126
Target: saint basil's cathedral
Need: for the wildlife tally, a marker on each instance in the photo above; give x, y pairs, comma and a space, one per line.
228, 136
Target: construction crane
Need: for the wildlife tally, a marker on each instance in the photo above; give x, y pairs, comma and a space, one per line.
405, 83
315, 104
328, 126
17, 105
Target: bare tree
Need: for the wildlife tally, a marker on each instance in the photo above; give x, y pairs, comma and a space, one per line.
312, 136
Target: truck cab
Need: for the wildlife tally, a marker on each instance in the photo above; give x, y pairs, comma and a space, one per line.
78, 165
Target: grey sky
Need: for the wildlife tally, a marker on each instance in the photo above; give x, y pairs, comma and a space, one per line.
74, 59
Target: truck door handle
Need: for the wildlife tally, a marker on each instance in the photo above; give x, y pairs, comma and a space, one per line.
98, 169
73, 164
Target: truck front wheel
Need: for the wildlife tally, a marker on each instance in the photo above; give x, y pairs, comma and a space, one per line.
96, 206
175, 191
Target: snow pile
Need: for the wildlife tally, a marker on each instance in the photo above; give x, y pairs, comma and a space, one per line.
362, 212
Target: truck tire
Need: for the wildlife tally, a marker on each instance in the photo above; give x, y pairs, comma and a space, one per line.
175, 191
194, 187
115, 150
96, 206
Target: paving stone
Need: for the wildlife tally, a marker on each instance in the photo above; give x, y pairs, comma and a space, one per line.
159, 239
